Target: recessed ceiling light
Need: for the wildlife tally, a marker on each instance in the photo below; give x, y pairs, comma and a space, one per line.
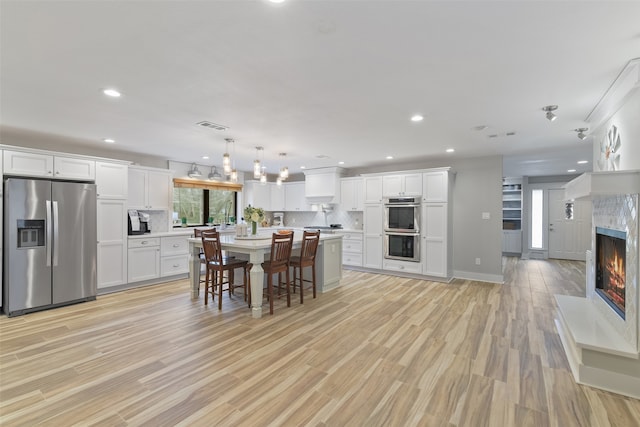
276, 1
571, 170
109, 140
450, 150
303, 167
205, 157
480, 127
112, 93
389, 157
417, 118
583, 162
341, 163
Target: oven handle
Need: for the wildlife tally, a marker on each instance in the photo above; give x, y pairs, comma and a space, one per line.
401, 233
402, 205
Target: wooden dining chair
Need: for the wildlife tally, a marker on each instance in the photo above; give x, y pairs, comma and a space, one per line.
216, 266
197, 233
307, 258
278, 263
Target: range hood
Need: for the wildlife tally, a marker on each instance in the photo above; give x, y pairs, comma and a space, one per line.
322, 185
592, 184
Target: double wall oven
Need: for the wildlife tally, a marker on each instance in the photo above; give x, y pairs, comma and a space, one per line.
402, 228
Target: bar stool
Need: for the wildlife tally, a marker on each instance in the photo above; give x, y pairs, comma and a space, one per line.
307, 258
216, 266
197, 233
281, 245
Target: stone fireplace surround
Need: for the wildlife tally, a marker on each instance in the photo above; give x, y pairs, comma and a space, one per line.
602, 348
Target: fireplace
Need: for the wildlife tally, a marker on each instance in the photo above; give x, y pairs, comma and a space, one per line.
610, 260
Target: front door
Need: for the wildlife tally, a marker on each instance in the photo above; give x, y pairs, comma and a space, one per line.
569, 227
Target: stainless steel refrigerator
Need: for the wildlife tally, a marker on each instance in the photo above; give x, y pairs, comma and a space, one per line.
50, 244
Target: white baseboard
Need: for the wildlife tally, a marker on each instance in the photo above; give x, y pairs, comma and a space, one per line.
481, 277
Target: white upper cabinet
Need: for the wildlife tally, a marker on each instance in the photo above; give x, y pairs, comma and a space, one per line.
294, 197
112, 180
322, 185
149, 188
257, 194
46, 165
351, 197
74, 168
435, 186
372, 189
28, 164
402, 185
278, 198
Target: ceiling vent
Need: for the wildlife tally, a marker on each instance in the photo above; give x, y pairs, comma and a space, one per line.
212, 125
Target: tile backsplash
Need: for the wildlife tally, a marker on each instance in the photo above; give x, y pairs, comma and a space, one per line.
349, 220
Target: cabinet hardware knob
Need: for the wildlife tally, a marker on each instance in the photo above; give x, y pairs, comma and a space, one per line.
144, 242
175, 245
176, 265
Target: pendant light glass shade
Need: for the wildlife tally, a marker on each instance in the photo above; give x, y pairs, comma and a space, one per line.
284, 171
234, 175
257, 166
279, 181
226, 163
226, 158
263, 176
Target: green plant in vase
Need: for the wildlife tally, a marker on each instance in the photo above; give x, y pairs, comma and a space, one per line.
253, 215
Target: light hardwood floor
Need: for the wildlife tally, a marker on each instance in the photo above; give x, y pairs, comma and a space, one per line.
379, 351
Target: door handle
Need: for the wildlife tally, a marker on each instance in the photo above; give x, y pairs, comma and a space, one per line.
56, 240
49, 232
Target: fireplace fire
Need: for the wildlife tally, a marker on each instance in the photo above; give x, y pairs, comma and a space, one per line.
610, 268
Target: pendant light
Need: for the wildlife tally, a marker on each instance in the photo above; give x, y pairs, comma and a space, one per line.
263, 176
234, 172
214, 174
194, 172
284, 170
257, 169
226, 158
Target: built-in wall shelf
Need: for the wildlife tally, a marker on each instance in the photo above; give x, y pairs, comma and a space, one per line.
512, 215
512, 203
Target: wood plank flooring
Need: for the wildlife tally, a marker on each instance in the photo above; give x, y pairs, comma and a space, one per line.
378, 351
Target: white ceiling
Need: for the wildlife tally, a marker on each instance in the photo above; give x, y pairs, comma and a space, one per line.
316, 78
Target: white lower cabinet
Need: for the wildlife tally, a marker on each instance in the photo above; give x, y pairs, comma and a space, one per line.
372, 238
402, 266
352, 249
144, 259
512, 241
174, 255
112, 242
434, 239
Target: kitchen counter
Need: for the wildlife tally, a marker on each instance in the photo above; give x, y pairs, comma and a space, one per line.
187, 231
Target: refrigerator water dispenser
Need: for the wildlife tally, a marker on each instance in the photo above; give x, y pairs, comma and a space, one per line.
30, 233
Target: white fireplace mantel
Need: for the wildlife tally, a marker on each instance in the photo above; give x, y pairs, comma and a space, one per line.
592, 184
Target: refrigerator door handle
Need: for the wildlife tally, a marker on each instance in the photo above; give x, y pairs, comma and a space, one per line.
49, 233
56, 240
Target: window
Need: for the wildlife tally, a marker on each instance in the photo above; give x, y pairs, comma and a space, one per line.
200, 206
537, 219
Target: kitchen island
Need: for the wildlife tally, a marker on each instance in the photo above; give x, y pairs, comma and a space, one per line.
328, 262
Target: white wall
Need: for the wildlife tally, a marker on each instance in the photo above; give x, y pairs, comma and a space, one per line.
627, 120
